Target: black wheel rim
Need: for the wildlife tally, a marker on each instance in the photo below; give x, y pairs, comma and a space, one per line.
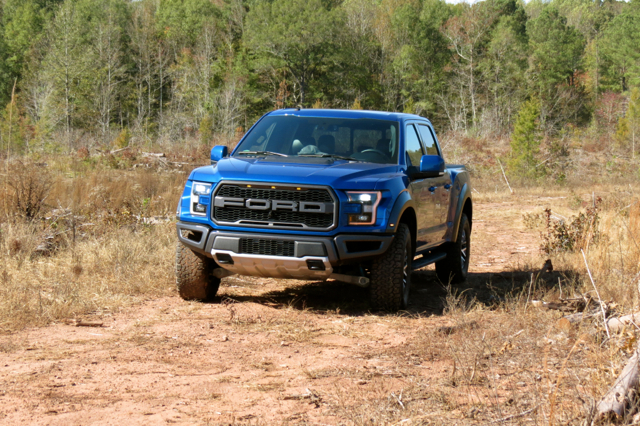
464, 249
406, 276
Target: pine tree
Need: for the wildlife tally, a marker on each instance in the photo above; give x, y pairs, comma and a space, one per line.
628, 131
525, 141
296, 35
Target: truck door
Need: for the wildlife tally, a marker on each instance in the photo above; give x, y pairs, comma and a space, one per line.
442, 185
420, 188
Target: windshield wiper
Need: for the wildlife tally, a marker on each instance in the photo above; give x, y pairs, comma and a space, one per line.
339, 157
261, 153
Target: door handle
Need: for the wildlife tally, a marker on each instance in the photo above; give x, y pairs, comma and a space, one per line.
447, 186
432, 188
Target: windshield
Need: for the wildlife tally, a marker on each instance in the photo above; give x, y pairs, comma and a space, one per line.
368, 140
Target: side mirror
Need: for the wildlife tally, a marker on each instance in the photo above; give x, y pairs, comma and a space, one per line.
430, 166
218, 153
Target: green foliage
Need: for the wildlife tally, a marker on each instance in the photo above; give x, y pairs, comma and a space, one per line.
15, 128
123, 140
556, 49
206, 130
182, 21
174, 69
628, 129
555, 60
620, 53
296, 35
525, 141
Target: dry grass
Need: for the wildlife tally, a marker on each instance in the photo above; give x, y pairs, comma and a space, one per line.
471, 354
75, 240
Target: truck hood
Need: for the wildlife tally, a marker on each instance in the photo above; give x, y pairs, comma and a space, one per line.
314, 171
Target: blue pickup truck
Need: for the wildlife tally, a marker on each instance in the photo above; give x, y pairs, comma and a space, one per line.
363, 197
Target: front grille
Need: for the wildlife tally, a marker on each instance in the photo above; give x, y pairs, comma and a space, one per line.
267, 247
235, 191
244, 216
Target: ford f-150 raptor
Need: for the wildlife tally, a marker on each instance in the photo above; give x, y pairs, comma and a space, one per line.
363, 197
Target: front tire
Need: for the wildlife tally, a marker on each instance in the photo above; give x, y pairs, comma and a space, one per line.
391, 274
455, 267
194, 275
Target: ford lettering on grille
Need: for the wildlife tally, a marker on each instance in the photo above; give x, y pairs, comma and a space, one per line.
310, 208
256, 204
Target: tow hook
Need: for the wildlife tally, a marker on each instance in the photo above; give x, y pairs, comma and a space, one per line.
359, 281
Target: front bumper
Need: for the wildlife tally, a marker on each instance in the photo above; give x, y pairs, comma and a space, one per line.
310, 257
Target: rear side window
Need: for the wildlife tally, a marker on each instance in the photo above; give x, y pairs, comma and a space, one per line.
413, 147
428, 139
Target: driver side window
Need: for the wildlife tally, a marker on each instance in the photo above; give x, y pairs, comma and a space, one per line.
413, 146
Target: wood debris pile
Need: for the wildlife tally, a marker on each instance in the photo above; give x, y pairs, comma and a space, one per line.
621, 400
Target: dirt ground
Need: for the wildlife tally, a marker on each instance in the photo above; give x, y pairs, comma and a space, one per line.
279, 352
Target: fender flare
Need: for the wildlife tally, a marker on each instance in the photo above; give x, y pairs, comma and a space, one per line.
465, 194
402, 203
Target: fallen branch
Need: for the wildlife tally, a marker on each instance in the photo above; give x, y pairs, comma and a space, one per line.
153, 154
505, 176
604, 314
516, 416
579, 304
307, 395
310, 395
614, 402
580, 316
82, 323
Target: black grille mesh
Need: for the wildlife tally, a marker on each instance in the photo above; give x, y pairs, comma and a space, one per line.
267, 247
317, 195
279, 218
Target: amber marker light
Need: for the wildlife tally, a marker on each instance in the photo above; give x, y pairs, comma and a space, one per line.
368, 201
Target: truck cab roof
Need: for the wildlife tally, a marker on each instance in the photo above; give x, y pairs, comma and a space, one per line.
347, 113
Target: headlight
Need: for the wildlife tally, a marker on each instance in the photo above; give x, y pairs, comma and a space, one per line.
200, 198
365, 205
201, 188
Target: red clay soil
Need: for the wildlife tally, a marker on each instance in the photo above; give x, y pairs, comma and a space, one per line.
265, 352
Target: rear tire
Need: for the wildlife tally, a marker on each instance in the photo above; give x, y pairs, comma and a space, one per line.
391, 274
455, 267
194, 275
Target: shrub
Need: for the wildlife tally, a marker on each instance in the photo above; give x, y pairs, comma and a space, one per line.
571, 235
123, 139
206, 130
29, 188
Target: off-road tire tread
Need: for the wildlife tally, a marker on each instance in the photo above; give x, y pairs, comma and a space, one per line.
194, 277
387, 274
449, 269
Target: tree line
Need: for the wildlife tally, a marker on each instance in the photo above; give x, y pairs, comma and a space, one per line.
125, 72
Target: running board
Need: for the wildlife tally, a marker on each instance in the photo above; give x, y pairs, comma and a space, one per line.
427, 260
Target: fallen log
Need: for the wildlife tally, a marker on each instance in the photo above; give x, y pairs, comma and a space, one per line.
617, 324
623, 391
109, 152
115, 151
